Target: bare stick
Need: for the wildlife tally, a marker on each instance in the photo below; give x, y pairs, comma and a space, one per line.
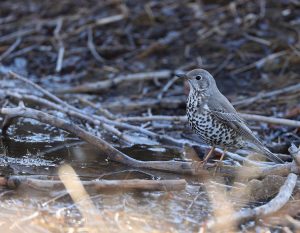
258, 39
253, 117
106, 84
167, 87
128, 105
295, 152
47, 93
260, 62
92, 46
271, 94
271, 120
10, 49
61, 48
18, 34
154, 118
246, 172
110, 19
99, 108
101, 185
274, 205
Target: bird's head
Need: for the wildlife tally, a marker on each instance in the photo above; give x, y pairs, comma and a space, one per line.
199, 80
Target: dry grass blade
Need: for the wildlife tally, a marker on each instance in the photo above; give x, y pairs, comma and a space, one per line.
92, 218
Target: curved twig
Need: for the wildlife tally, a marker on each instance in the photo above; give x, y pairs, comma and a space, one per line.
272, 206
111, 152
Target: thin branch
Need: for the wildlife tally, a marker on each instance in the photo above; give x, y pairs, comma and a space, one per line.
42, 90
128, 105
10, 49
107, 84
17, 34
271, 94
257, 39
110, 19
260, 62
167, 87
270, 120
61, 48
99, 108
92, 46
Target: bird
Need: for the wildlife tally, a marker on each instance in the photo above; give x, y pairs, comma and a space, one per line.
215, 120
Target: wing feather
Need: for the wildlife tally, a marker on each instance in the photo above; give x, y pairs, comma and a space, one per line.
221, 108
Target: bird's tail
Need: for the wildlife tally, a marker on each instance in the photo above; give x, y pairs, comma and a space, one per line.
273, 157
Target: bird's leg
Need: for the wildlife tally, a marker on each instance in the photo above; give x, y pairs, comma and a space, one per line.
223, 154
219, 163
208, 155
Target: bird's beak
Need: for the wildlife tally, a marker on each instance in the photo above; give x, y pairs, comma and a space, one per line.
181, 75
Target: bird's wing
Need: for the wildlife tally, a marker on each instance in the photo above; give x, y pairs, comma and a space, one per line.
221, 108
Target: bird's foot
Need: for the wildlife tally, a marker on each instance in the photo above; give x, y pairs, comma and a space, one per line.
220, 162
207, 157
218, 166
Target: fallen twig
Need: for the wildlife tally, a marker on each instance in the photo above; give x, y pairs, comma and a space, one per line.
274, 205
270, 120
10, 49
100, 185
271, 94
260, 62
167, 86
107, 84
61, 48
252, 172
92, 46
110, 19
128, 105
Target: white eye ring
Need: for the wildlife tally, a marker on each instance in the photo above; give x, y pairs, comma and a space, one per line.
199, 77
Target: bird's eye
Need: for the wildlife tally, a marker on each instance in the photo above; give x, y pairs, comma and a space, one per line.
198, 77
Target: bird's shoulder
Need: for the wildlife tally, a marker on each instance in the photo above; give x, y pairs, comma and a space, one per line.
220, 106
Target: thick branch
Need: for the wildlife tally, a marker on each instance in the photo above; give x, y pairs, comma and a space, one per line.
101, 185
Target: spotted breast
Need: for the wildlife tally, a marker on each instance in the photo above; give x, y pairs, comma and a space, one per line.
211, 129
